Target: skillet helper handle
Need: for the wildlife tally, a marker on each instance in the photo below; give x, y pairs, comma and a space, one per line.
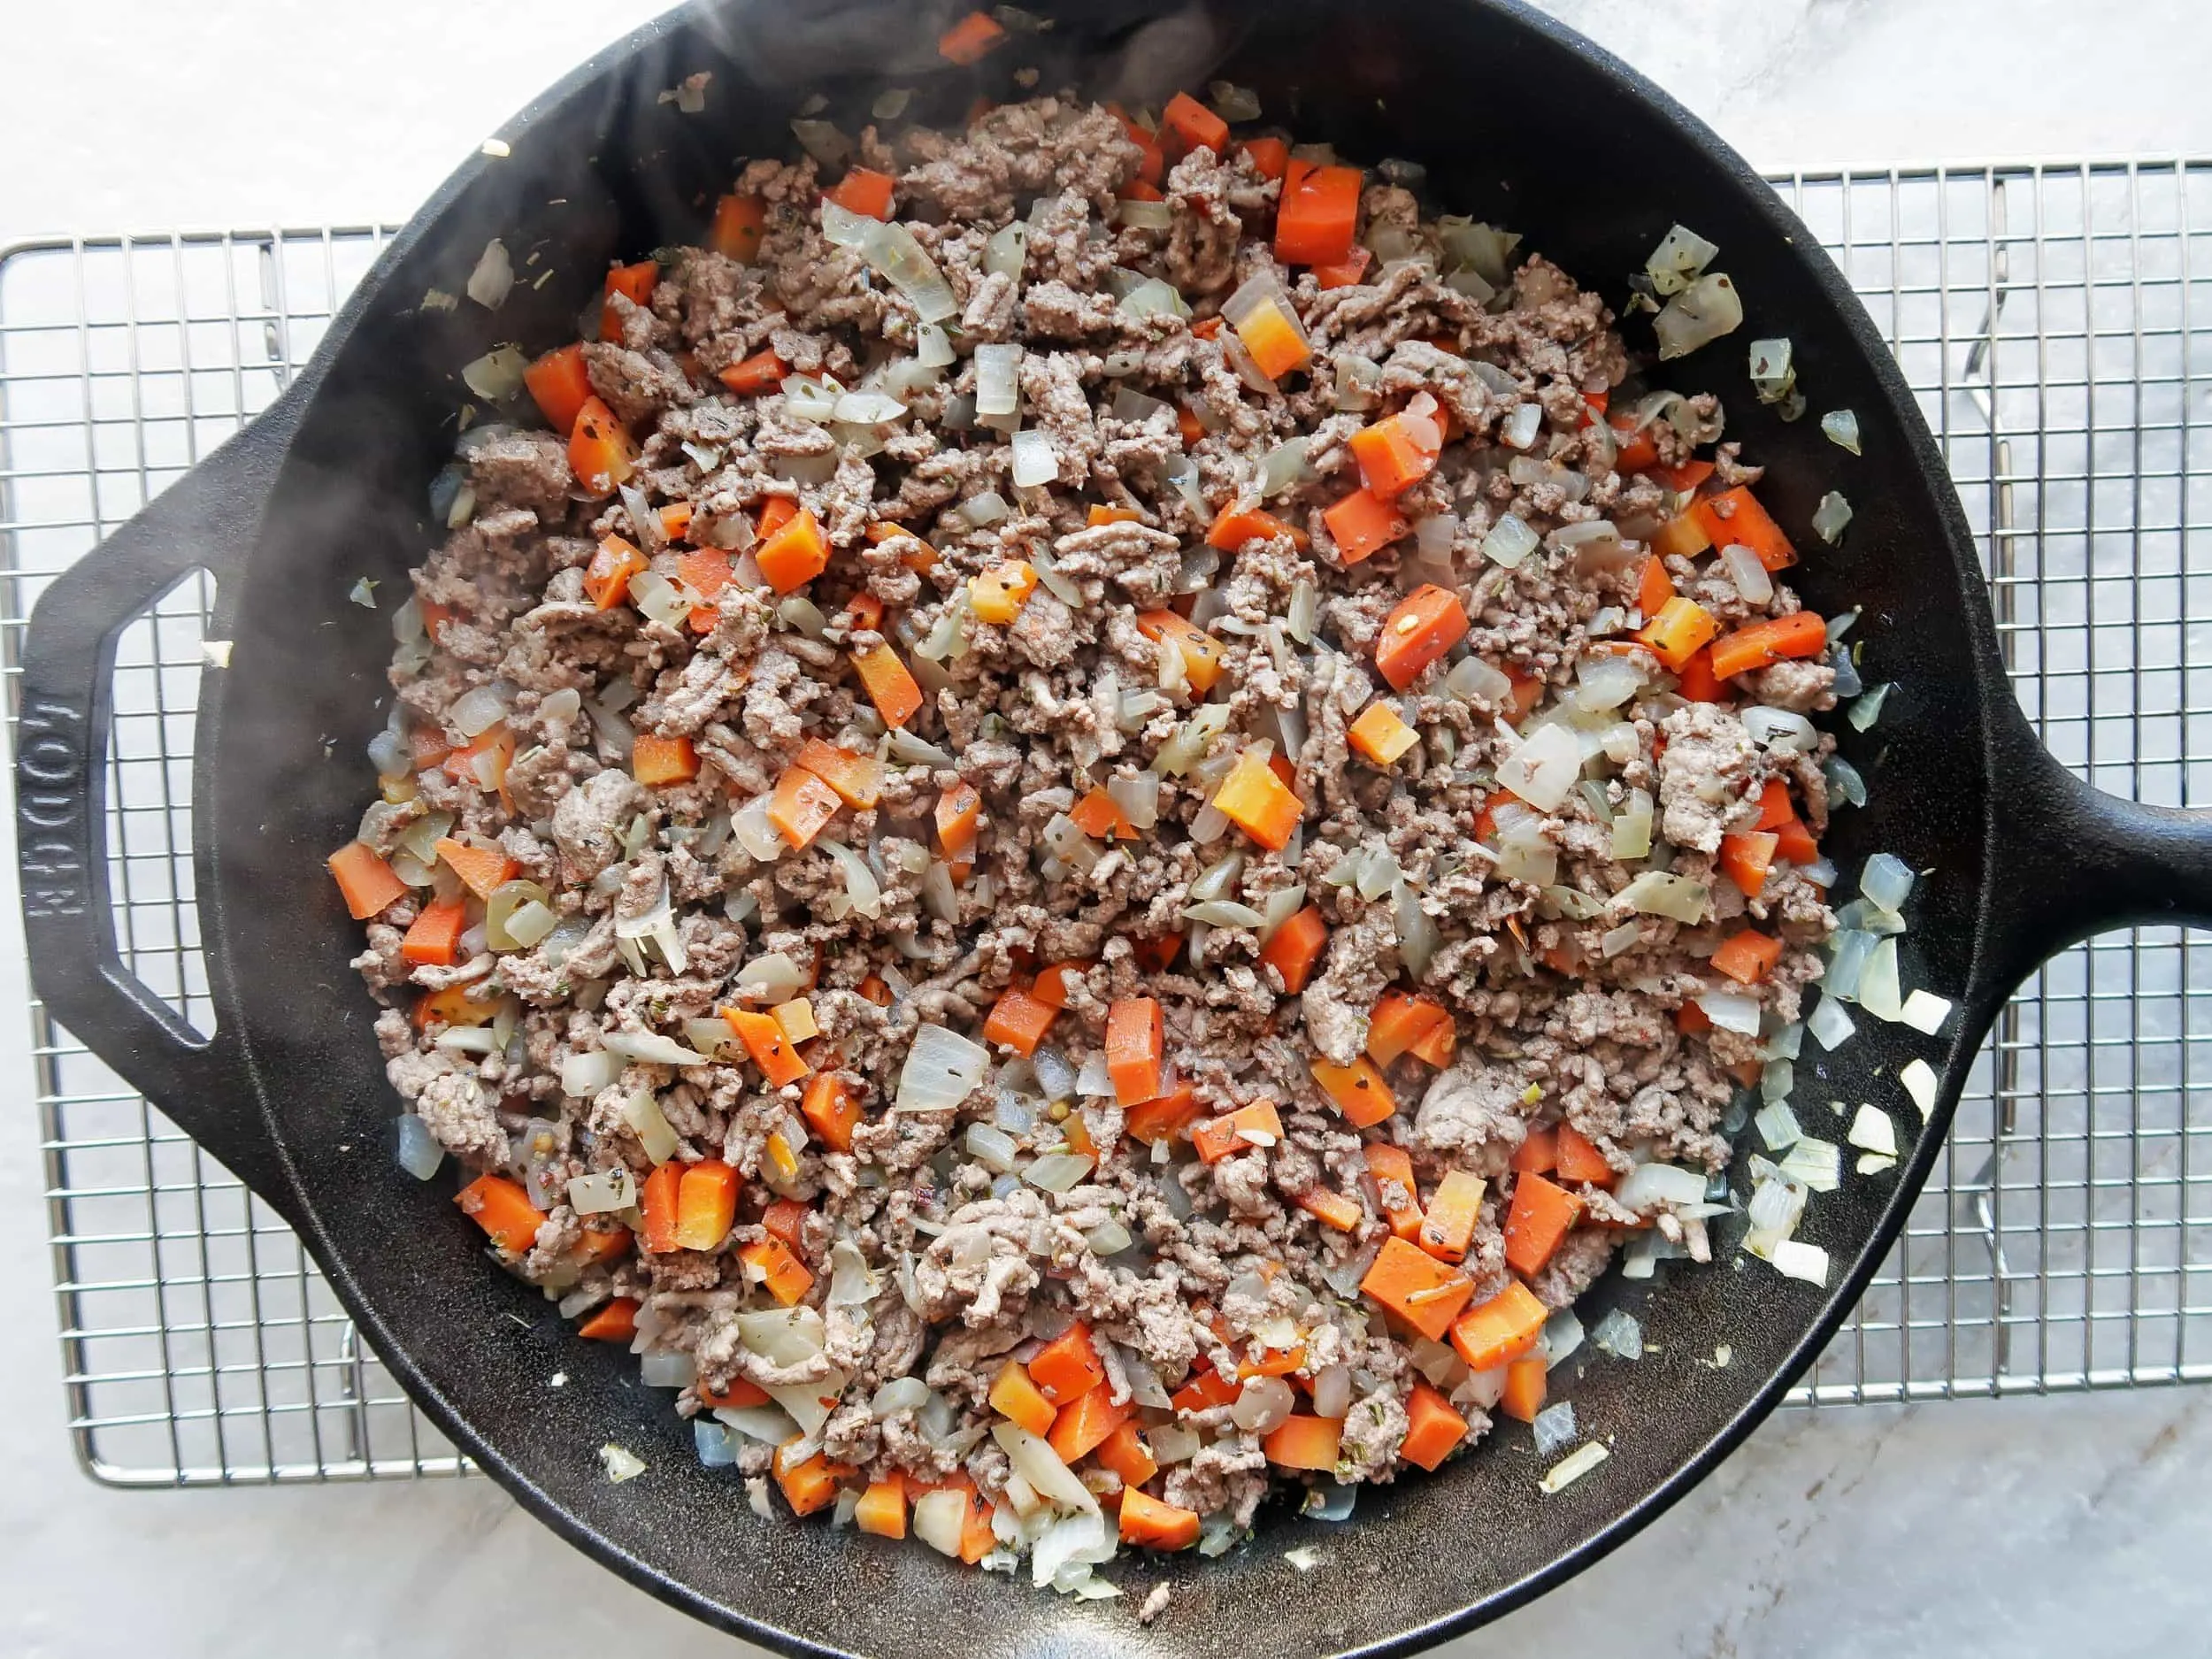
207, 520
2071, 860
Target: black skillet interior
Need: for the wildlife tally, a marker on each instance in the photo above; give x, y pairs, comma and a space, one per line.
1516, 123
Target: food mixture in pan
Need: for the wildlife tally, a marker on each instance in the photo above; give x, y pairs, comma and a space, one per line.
1080, 819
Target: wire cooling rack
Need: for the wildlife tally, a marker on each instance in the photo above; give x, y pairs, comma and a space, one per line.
2054, 321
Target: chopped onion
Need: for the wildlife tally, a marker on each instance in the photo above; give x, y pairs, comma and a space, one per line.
1772, 376
1925, 1011
1035, 461
985, 508
1039, 1464
1657, 893
940, 1519
1007, 250
1732, 1011
1879, 993
1619, 1334
1831, 1026
1417, 934
1842, 427
1831, 517
1919, 1079
1153, 297
1554, 1427
1866, 710
807, 398
822, 141
585, 1075
1702, 313
620, 1465
1778, 1125
1681, 256
1648, 1186
1475, 681
1222, 913
892, 252
1607, 682
417, 1151
1886, 882
496, 376
1818, 1164
494, 276
643, 1114
992, 1147
1872, 1131
1232, 102
861, 894
867, 408
1263, 1405
1795, 1260
476, 711
1749, 575
943, 1069
1058, 1171
1562, 1335
1573, 1466
1544, 769
1520, 428
596, 1194
1783, 731
1510, 540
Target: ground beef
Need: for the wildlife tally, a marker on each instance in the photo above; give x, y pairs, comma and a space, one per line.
696, 803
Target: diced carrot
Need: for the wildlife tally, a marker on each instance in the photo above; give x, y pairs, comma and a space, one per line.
743, 1392
1273, 1361
1735, 518
786, 1219
1295, 946
858, 779
800, 805
1317, 219
1776, 808
1189, 427
1393, 454
1500, 1330
1157, 956
706, 570
365, 880
1390, 1167
1436, 1045
1100, 817
1418, 1287
1019, 1399
1762, 644
503, 1210
1304, 1442
1086, 1421
881, 1511
1257, 802
1541, 1213
1153, 1121
1675, 635
1686, 477
1358, 1090
1746, 855
1018, 1020
1102, 515
453, 1006
1051, 987
636, 283
831, 1109
763, 371
1399, 1020
794, 554
1330, 1209
1634, 451
811, 1486
434, 938
1381, 735
1538, 1152
1136, 1042
1794, 843
997, 596
659, 761
481, 869
1234, 526
1689, 1019
785, 1276
1683, 537
865, 191
875, 990
1454, 1208
1748, 957
1422, 626
1363, 524
1654, 586
1523, 1395
426, 747
1125, 1452
1205, 1390
676, 519
560, 385
1067, 1367
607, 578
657, 1200
1154, 1524
1254, 1126
1579, 1159
968, 40
1433, 1427
599, 453
890, 687
615, 1321
1698, 681
1193, 125
1347, 273
1142, 190
1271, 155
1202, 652
958, 809
764, 1039
1272, 337
706, 1204
739, 221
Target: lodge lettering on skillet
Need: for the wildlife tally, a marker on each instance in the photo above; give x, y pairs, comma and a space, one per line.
49, 804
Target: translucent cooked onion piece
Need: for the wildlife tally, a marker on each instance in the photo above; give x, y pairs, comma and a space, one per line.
1544, 768
1679, 259
943, 1069
892, 252
1842, 427
1702, 313
1510, 540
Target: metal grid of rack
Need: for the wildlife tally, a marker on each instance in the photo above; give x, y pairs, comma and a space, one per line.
2054, 321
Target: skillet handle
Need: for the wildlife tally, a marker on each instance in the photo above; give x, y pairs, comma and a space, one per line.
2069, 860
207, 520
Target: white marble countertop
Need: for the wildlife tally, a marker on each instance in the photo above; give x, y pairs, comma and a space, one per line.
2064, 1525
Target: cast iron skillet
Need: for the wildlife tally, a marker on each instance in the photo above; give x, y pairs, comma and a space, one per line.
1518, 121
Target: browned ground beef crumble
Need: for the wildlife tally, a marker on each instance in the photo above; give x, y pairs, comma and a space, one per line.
972, 1268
